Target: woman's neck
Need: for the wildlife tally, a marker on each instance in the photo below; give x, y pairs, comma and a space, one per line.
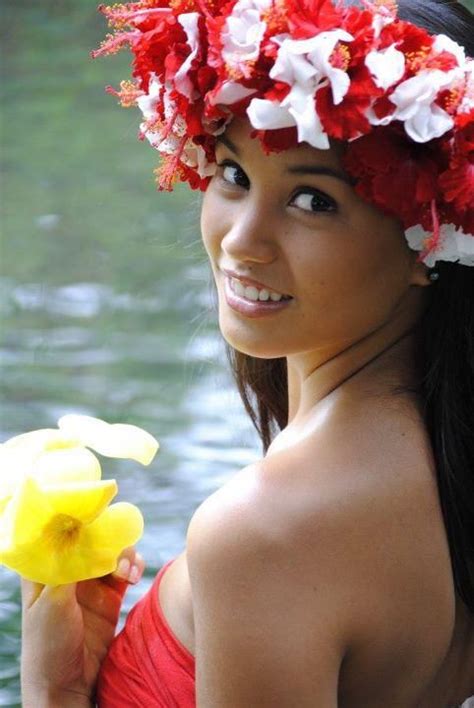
385, 357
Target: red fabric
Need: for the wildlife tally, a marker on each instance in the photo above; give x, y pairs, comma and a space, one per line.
146, 664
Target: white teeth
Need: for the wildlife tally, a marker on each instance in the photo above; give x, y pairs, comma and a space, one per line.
252, 293
238, 287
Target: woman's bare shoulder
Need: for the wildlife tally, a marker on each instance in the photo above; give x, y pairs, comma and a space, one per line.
358, 495
368, 467
368, 474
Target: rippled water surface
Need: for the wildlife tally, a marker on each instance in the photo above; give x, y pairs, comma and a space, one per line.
91, 349
106, 306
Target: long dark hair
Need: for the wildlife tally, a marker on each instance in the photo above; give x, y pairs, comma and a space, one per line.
445, 358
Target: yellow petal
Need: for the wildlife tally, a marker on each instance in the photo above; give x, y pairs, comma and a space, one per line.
72, 464
118, 440
25, 515
120, 525
15, 463
32, 561
90, 552
83, 501
33, 506
37, 441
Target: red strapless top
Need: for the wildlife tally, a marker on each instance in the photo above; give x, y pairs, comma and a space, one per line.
146, 664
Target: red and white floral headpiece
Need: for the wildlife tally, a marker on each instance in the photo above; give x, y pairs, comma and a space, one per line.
311, 70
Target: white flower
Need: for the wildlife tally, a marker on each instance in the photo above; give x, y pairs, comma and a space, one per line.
297, 109
243, 33
300, 105
304, 65
189, 22
195, 156
415, 103
375, 120
415, 99
467, 103
147, 102
383, 16
443, 43
192, 155
387, 67
291, 64
306, 61
454, 245
269, 115
230, 92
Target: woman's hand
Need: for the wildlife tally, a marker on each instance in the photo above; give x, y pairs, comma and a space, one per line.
67, 631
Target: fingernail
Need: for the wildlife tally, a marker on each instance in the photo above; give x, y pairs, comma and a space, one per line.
123, 568
135, 574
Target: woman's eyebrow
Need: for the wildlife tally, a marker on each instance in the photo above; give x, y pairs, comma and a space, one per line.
228, 143
325, 171
296, 169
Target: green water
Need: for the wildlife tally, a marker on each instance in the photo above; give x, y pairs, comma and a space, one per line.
106, 303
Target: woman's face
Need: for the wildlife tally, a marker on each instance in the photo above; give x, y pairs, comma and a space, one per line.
279, 225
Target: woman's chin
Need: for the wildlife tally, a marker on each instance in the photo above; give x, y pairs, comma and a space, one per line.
252, 344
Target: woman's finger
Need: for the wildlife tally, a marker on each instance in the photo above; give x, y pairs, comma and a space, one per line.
130, 566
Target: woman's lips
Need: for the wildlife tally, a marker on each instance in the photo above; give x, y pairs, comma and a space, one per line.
249, 281
252, 308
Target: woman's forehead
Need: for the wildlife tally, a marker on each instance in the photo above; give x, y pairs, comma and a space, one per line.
238, 137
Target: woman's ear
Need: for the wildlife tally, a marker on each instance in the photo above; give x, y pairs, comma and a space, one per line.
420, 273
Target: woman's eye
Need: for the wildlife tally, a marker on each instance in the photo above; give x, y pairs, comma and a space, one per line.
313, 201
233, 174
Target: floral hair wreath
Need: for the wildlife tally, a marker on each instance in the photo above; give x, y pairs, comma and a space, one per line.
311, 70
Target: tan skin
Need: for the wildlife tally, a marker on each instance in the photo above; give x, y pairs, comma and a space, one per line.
353, 466
79, 621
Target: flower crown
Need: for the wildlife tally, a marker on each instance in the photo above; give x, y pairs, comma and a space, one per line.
311, 70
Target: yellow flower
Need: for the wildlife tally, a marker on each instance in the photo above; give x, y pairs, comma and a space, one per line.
55, 523
52, 456
62, 533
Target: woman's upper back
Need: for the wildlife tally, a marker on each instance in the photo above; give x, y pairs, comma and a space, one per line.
407, 638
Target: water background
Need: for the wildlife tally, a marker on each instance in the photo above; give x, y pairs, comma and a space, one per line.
105, 295
106, 302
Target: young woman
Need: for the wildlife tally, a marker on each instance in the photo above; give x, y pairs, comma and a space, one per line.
339, 569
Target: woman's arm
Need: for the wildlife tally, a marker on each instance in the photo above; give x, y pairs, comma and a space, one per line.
47, 699
66, 632
271, 606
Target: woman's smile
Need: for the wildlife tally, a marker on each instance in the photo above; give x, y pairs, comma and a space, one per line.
250, 301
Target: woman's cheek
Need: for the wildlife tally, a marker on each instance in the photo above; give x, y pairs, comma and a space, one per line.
213, 222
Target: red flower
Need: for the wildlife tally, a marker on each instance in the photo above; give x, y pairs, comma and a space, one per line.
388, 167
347, 120
278, 91
415, 43
307, 18
153, 47
359, 24
276, 140
464, 119
457, 182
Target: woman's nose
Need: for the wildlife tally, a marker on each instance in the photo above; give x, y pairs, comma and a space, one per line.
251, 238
